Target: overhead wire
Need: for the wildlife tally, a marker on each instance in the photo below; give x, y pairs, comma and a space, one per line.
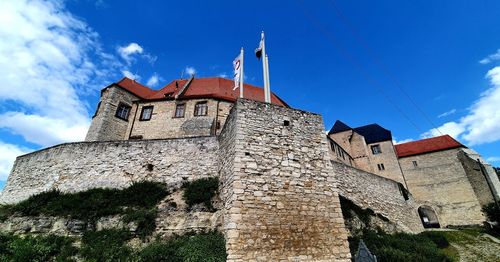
351, 59
379, 63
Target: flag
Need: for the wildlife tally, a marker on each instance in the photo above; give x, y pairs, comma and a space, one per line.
258, 50
237, 71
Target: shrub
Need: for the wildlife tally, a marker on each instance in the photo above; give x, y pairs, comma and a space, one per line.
492, 212
400, 247
106, 245
190, 247
36, 248
436, 237
201, 191
92, 204
145, 220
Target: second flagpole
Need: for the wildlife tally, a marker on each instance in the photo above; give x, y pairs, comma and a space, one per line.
241, 74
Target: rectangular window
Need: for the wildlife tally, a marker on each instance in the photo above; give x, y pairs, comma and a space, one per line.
146, 113
122, 111
201, 109
376, 149
180, 109
415, 164
381, 167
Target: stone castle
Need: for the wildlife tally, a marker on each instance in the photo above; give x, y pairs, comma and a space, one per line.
280, 175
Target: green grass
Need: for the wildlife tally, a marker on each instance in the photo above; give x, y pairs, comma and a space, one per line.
201, 191
106, 245
191, 247
404, 247
36, 248
137, 203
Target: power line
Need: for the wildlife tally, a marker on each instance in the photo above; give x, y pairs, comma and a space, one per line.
349, 58
377, 61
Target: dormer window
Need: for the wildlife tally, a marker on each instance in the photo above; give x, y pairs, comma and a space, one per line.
201, 109
123, 111
146, 113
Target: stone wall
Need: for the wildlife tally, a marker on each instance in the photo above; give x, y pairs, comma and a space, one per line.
80, 166
439, 180
477, 179
105, 126
382, 195
283, 203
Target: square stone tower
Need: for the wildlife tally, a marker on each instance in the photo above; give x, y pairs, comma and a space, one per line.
278, 189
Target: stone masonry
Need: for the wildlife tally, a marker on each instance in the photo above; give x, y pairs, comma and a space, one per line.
280, 196
80, 166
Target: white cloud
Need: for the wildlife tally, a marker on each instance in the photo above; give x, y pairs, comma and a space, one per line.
127, 52
482, 123
491, 58
223, 75
190, 70
8, 153
154, 80
395, 141
493, 159
49, 59
131, 75
448, 113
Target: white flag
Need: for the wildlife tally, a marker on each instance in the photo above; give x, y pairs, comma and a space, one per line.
237, 71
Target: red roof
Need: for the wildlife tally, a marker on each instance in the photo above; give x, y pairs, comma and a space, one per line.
428, 145
210, 87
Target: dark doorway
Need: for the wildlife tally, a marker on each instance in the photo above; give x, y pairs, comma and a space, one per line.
428, 217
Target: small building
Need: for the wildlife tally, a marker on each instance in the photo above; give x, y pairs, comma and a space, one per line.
183, 108
450, 181
370, 147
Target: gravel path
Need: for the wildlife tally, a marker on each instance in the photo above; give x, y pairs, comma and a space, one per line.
477, 248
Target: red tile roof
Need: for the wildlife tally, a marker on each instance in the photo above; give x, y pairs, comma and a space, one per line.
135, 87
428, 145
210, 87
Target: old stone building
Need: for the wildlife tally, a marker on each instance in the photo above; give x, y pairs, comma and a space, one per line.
370, 147
182, 108
450, 181
280, 175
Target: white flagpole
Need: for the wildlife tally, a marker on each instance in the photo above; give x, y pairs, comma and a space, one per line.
241, 74
268, 81
264, 67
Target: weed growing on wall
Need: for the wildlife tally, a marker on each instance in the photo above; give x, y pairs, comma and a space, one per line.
201, 191
36, 248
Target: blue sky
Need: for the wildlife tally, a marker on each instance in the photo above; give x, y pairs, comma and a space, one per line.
362, 62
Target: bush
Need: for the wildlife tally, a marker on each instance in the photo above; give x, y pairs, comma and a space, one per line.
145, 220
106, 245
492, 212
92, 204
39, 248
190, 247
201, 191
436, 237
400, 247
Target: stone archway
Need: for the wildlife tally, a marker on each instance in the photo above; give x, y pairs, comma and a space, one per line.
428, 217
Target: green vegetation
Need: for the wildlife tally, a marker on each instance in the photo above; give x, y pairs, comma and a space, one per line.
111, 245
405, 247
190, 247
137, 203
492, 211
201, 191
39, 248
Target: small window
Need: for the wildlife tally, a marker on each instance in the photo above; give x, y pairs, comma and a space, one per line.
123, 111
381, 167
415, 164
146, 113
217, 125
201, 109
376, 149
180, 109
